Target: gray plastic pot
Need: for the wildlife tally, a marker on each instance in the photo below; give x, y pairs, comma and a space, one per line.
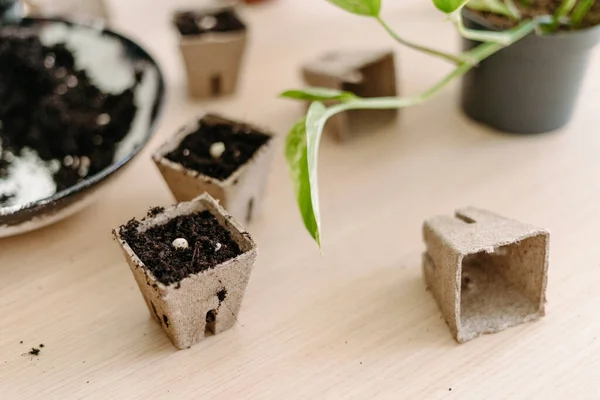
531, 86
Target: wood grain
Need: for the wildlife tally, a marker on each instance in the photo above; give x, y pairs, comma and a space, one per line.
357, 322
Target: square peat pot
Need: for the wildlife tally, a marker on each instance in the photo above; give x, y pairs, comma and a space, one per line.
212, 44
366, 73
192, 290
87, 10
487, 273
230, 160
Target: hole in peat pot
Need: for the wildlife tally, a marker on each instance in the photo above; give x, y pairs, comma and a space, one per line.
211, 321
215, 85
465, 219
249, 210
155, 312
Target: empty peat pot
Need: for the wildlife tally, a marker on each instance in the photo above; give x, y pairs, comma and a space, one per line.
192, 263
212, 43
230, 160
487, 273
366, 73
531, 86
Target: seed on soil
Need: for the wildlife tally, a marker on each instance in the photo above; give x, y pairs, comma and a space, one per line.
84, 166
103, 119
49, 61
218, 247
68, 161
207, 22
180, 243
72, 81
186, 152
60, 73
61, 89
217, 149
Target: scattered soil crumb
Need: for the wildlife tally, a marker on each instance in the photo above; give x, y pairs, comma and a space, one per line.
153, 212
34, 351
41, 345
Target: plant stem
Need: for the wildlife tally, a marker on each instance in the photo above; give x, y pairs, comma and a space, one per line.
478, 54
580, 12
456, 59
513, 9
562, 11
503, 38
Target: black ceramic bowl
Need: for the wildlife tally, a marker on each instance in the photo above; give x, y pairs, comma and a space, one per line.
20, 218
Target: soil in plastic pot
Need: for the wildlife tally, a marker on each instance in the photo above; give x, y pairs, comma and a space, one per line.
531, 86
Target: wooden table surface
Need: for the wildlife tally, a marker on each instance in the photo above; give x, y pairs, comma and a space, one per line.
356, 322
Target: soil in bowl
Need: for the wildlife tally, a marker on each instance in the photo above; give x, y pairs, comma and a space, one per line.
190, 23
537, 8
52, 116
198, 151
210, 244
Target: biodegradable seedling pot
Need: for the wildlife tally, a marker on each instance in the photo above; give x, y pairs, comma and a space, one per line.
212, 55
241, 192
531, 86
364, 73
200, 304
86, 9
487, 273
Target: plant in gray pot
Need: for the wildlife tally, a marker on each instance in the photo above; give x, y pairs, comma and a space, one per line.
522, 63
531, 86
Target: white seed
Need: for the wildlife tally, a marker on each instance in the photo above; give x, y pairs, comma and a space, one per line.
217, 149
218, 247
186, 152
61, 89
72, 81
60, 73
103, 119
180, 243
68, 161
84, 166
49, 60
54, 166
208, 22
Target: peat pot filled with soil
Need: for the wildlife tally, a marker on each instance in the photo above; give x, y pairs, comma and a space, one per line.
230, 160
212, 44
531, 86
192, 263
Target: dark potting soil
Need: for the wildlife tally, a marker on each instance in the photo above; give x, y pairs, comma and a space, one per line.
241, 142
49, 106
154, 211
170, 265
537, 8
190, 23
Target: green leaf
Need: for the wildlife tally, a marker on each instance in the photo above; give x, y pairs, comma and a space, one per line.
368, 8
449, 6
317, 94
301, 151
